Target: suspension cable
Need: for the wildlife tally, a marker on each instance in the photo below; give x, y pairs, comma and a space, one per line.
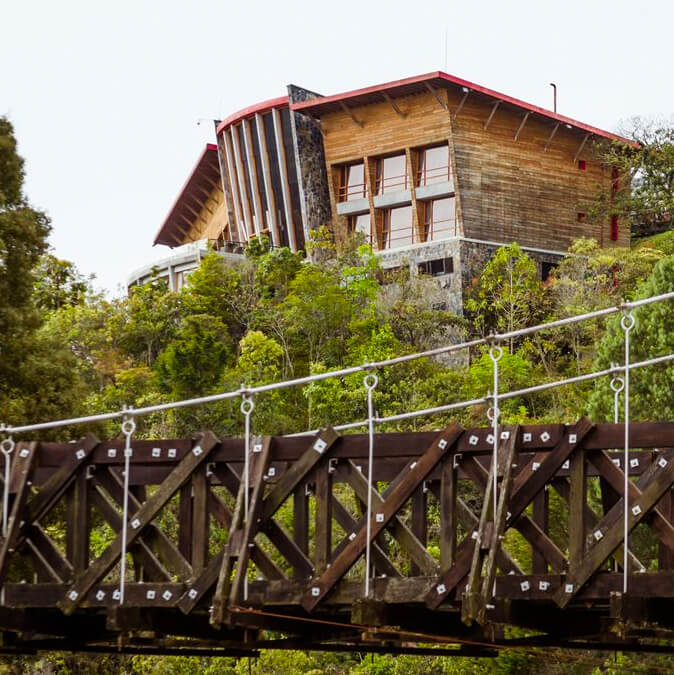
446, 349
626, 323
128, 427
617, 385
495, 354
370, 381
247, 407
505, 395
6, 447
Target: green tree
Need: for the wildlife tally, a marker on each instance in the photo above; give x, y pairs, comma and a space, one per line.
592, 278
642, 191
508, 295
147, 321
23, 239
58, 283
652, 335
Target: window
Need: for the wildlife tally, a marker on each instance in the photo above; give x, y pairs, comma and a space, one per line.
439, 219
433, 165
360, 223
614, 228
397, 230
437, 267
581, 217
391, 174
582, 164
352, 182
546, 270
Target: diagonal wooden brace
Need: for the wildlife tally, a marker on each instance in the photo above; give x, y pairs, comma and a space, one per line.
475, 608
403, 535
349, 524
50, 493
285, 545
241, 538
319, 448
107, 560
527, 484
22, 473
223, 516
413, 479
657, 479
152, 535
615, 477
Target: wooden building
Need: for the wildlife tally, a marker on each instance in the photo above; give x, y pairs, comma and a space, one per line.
435, 171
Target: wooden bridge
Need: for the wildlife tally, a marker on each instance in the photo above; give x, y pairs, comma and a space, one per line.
450, 569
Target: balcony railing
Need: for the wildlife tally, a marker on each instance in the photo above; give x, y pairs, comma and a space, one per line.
351, 192
438, 174
386, 183
435, 231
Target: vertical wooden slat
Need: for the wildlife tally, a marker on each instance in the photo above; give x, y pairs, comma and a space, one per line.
665, 557
577, 485
77, 539
234, 185
419, 522
260, 222
266, 175
285, 184
243, 190
185, 522
448, 513
301, 518
540, 517
323, 527
200, 520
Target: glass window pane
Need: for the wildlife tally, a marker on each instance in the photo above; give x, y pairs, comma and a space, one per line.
434, 165
360, 223
443, 218
398, 227
355, 182
393, 176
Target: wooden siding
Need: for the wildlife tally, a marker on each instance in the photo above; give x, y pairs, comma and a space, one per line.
506, 190
211, 221
515, 190
384, 131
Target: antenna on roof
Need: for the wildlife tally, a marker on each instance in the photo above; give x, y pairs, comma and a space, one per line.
554, 96
446, 37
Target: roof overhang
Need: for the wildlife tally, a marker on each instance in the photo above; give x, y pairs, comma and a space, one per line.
421, 83
204, 177
252, 110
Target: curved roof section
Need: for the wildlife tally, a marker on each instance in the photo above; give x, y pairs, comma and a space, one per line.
263, 106
420, 83
204, 177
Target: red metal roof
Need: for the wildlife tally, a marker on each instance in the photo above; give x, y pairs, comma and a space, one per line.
415, 85
263, 106
204, 176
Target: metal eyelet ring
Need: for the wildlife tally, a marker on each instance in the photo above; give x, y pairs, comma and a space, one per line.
247, 406
627, 321
128, 426
370, 381
493, 413
495, 353
7, 446
617, 385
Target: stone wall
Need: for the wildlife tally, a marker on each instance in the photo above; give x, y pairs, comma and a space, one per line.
310, 160
447, 286
475, 256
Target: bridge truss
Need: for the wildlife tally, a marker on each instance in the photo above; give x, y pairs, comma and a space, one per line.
448, 570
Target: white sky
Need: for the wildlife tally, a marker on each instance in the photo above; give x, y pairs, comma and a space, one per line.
105, 96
